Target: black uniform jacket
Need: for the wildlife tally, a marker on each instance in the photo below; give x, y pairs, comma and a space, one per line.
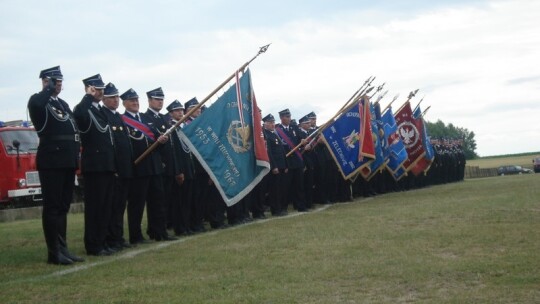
151, 164
275, 149
59, 144
122, 144
96, 138
187, 165
293, 161
170, 156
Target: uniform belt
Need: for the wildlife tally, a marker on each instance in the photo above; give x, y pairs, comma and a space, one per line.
49, 138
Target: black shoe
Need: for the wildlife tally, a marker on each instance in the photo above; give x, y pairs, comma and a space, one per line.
64, 251
220, 226
71, 256
259, 217
281, 213
101, 252
57, 258
167, 237
199, 230
181, 233
140, 242
303, 210
125, 245
111, 249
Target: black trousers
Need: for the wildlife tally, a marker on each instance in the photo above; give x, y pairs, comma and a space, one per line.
295, 184
309, 180
57, 191
147, 190
170, 189
276, 191
256, 201
182, 211
215, 211
98, 205
319, 175
199, 201
155, 208
115, 236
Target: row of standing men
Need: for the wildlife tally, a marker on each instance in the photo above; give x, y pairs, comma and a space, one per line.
173, 186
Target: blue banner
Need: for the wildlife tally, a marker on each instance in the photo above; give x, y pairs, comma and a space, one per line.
228, 141
344, 140
397, 153
426, 142
380, 126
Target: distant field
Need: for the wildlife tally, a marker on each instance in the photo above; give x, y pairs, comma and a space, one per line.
471, 242
494, 162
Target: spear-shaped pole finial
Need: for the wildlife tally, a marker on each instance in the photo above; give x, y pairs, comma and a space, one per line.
151, 148
381, 96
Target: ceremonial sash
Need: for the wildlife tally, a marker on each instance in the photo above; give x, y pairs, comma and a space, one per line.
288, 141
139, 126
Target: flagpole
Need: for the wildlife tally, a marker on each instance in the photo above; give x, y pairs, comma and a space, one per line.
313, 135
411, 95
381, 97
149, 150
419, 103
390, 104
425, 111
379, 88
359, 92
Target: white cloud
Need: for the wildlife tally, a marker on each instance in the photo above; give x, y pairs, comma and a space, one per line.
465, 59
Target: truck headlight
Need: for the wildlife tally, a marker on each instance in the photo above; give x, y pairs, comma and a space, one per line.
21, 183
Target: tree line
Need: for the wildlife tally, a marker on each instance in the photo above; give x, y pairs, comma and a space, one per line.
441, 130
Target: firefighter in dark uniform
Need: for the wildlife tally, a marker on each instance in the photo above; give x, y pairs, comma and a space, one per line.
124, 167
181, 211
323, 162
275, 180
289, 134
309, 161
97, 166
56, 160
172, 164
146, 185
201, 180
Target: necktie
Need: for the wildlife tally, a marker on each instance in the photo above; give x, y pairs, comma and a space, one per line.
59, 104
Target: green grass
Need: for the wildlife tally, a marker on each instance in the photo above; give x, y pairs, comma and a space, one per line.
473, 242
494, 162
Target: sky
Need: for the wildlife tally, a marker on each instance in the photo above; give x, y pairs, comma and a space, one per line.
476, 63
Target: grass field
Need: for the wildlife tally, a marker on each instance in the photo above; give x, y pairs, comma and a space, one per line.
494, 162
472, 242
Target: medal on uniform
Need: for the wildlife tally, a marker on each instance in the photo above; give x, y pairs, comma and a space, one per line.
121, 129
114, 128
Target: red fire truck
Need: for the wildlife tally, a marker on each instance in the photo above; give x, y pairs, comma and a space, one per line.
19, 179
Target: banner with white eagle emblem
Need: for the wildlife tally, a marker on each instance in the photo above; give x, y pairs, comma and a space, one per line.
410, 131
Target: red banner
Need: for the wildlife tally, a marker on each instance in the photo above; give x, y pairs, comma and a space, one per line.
410, 131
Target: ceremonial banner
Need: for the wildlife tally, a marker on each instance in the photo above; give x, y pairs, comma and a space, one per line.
423, 165
378, 137
350, 141
397, 154
410, 131
227, 140
382, 136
